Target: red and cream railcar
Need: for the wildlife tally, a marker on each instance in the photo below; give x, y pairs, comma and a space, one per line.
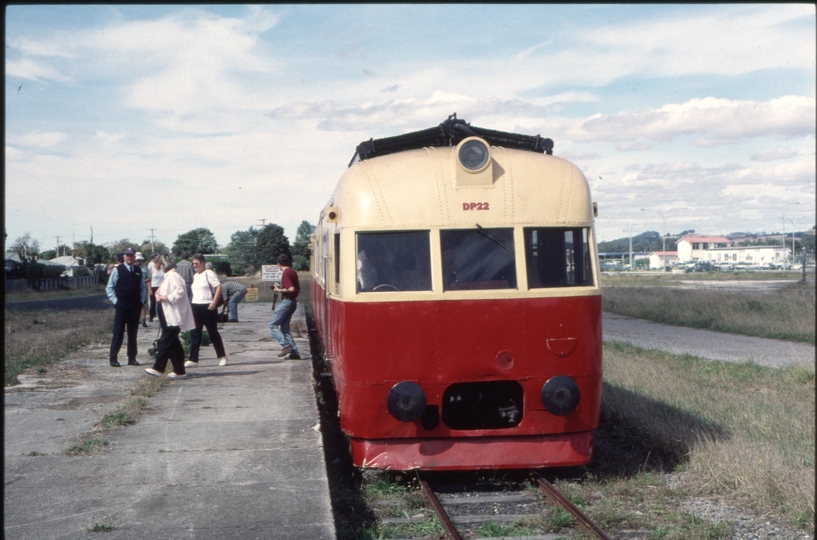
455, 289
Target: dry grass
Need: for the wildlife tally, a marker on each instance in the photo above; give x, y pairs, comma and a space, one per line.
787, 314
748, 429
39, 338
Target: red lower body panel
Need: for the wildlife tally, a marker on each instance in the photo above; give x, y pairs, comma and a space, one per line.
467, 453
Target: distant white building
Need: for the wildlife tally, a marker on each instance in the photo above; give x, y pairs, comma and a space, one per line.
70, 263
719, 249
658, 258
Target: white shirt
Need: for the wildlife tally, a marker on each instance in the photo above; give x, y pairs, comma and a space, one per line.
204, 284
177, 307
156, 276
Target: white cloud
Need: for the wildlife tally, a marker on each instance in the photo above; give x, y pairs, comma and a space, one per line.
773, 154
40, 139
27, 68
716, 119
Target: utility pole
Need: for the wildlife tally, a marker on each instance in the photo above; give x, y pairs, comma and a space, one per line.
263, 222
92, 234
152, 247
58, 245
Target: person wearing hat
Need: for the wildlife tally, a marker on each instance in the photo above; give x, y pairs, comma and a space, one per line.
146, 278
127, 291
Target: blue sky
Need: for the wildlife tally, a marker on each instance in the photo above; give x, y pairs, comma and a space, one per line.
129, 118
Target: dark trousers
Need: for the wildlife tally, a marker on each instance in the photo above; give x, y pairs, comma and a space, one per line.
153, 303
208, 319
170, 346
127, 315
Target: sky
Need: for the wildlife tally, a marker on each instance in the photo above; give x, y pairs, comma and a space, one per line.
132, 121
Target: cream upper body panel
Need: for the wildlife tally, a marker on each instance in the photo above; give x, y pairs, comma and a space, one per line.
427, 189
424, 188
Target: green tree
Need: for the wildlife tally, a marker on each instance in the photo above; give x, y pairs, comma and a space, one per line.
148, 248
118, 247
807, 242
300, 250
242, 251
92, 253
25, 246
271, 242
48, 254
199, 240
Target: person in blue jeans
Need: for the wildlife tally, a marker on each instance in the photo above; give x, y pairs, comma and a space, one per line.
232, 292
279, 324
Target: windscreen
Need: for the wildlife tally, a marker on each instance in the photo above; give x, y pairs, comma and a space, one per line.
478, 259
557, 257
394, 261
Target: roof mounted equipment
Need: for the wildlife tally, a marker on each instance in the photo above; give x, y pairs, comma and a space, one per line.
449, 133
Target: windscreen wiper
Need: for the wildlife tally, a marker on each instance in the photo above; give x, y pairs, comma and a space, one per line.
481, 231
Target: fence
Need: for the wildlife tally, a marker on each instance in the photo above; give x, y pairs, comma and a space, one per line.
50, 284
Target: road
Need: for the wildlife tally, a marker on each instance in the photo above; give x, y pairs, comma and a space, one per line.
705, 343
97, 301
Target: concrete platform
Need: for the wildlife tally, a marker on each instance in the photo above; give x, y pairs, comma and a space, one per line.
231, 452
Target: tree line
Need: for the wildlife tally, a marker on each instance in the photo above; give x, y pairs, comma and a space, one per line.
245, 254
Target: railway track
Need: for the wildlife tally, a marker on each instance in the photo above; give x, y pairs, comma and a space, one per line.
464, 512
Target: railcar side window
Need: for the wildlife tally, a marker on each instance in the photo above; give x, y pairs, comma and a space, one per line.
557, 257
393, 261
478, 259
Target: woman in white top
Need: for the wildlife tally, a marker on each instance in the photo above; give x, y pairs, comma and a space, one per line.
175, 315
206, 296
157, 274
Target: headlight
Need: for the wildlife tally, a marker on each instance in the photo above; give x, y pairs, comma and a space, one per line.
560, 395
474, 154
407, 401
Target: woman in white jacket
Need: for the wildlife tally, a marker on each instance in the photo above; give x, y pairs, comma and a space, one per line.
175, 315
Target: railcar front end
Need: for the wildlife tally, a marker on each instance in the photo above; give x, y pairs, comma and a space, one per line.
456, 294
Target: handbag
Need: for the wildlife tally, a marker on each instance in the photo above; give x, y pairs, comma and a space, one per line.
220, 299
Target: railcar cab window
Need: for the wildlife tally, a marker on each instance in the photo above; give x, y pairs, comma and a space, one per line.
557, 257
393, 262
478, 259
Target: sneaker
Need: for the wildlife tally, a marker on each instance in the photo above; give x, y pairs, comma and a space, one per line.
295, 356
285, 351
151, 371
175, 375
191, 363
222, 361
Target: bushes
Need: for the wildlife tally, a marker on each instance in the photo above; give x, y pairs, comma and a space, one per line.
223, 268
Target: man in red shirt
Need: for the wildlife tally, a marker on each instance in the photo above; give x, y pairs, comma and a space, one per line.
279, 324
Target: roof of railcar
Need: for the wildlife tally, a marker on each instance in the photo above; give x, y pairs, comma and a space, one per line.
416, 189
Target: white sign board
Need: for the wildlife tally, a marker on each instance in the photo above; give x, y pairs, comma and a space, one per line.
271, 272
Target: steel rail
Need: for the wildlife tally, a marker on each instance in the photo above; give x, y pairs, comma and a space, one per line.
441, 513
555, 498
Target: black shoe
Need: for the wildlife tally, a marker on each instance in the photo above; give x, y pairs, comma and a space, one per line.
114, 363
144, 324
133, 363
295, 356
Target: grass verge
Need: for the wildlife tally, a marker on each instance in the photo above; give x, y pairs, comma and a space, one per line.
787, 314
40, 338
748, 430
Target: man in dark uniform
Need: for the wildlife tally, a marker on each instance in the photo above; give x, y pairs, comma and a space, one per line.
126, 290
